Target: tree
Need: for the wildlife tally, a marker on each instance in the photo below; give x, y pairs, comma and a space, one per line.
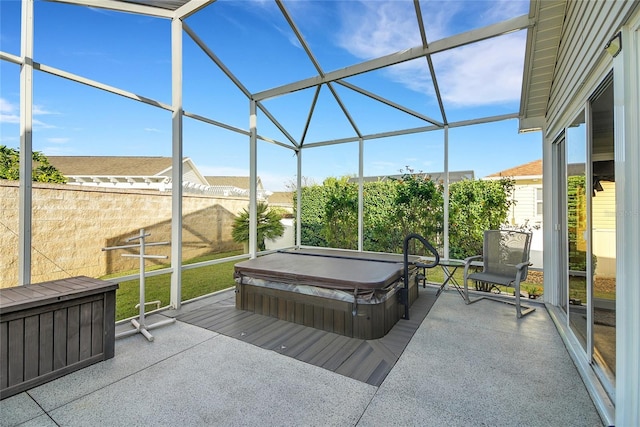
42, 170
269, 225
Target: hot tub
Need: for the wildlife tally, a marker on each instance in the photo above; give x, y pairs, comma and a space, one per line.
350, 293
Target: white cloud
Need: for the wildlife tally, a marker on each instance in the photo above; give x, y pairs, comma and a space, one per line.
152, 130
42, 125
483, 73
8, 112
7, 107
58, 140
9, 118
9, 139
372, 29
488, 72
59, 150
505, 9
39, 110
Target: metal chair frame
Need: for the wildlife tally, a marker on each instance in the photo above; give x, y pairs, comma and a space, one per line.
505, 261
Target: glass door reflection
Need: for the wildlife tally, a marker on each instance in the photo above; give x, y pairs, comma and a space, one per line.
576, 216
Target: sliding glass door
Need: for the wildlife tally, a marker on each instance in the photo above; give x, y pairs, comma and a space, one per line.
576, 217
585, 158
603, 230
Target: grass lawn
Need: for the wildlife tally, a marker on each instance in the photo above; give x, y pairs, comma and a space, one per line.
195, 282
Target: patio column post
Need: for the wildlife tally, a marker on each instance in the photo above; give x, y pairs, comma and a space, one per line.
253, 172
26, 145
299, 199
445, 224
176, 166
360, 193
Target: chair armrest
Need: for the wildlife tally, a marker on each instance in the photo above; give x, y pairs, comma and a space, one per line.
467, 264
468, 260
523, 265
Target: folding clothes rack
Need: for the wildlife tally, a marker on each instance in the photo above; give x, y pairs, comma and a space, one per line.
139, 324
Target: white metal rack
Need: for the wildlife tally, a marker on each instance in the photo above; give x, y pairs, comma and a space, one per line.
139, 324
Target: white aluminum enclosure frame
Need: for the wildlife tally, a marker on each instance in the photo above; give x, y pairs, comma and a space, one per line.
177, 11
543, 15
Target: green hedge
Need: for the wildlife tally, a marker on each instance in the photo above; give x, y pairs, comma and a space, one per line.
394, 208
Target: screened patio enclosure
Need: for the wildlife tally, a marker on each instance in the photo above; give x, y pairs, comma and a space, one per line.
305, 90
336, 96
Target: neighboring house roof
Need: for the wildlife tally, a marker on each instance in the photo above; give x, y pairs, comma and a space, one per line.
146, 172
281, 198
232, 181
531, 169
434, 176
110, 165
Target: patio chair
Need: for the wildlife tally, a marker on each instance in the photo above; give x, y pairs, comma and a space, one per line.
505, 261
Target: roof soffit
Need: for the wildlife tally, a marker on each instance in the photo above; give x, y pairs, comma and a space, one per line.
543, 41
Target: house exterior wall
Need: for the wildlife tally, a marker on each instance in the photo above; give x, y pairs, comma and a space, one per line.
71, 225
604, 230
524, 212
588, 26
190, 175
581, 66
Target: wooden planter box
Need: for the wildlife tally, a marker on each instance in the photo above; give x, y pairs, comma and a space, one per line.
50, 329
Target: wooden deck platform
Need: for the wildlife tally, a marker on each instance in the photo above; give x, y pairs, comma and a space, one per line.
368, 361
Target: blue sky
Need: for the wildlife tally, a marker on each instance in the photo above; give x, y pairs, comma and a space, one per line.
254, 41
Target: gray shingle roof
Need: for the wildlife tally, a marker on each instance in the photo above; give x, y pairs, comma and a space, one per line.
110, 165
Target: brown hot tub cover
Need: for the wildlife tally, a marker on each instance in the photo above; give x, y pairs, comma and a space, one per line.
317, 269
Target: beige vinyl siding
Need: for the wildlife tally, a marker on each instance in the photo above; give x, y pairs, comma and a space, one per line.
188, 174
604, 207
525, 208
588, 23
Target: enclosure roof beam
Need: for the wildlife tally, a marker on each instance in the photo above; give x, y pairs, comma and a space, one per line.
235, 129
434, 80
421, 129
389, 103
216, 60
122, 6
316, 64
310, 115
98, 85
191, 7
495, 30
482, 120
277, 124
5, 56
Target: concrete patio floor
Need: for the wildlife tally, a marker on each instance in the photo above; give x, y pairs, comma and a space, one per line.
471, 365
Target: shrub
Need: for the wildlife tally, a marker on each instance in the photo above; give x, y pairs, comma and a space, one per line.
269, 225
394, 208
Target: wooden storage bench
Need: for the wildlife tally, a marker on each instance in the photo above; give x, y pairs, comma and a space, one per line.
50, 329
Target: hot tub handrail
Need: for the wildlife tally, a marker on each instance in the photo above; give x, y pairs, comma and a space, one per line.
405, 251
